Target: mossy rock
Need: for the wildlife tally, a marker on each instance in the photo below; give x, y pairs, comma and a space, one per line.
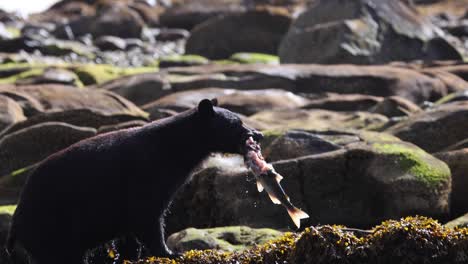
251, 58
231, 238
7, 209
415, 161
99, 73
183, 60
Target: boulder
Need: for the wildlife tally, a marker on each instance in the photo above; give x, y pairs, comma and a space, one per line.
61, 97
188, 14
343, 102
139, 88
76, 117
436, 128
395, 106
314, 79
460, 222
244, 102
364, 32
316, 119
32, 144
358, 185
10, 112
457, 160
231, 238
254, 31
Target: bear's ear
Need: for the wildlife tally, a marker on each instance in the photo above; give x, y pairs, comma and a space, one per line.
205, 108
214, 101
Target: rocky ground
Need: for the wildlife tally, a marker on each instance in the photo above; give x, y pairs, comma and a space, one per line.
364, 105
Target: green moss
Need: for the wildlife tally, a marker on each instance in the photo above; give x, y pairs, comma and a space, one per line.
270, 135
250, 58
7, 209
188, 58
417, 162
98, 73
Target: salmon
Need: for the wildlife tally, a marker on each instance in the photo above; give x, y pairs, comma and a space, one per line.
269, 180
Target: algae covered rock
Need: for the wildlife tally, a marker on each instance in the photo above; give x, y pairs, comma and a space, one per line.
356, 179
408, 240
435, 129
232, 238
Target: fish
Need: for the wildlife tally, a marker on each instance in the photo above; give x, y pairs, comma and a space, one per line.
269, 180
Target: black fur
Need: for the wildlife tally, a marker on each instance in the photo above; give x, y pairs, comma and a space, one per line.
118, 183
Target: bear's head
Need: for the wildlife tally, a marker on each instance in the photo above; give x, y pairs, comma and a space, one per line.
224, 129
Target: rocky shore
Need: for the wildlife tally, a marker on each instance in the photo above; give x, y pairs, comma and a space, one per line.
364, 107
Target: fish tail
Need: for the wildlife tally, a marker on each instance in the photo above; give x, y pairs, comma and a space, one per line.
296, 215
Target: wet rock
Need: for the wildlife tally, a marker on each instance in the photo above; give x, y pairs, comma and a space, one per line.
52, 76
316, 119
110, 43
395, 106
343, 102
76, 117
172, 34
139, 88
435, 129
255, 31
182, 61
379, 81
363, 32
457, 160
31, 145
359, 186
188, 14
232, 238
10, 112
61, 97
461, 222
244, 102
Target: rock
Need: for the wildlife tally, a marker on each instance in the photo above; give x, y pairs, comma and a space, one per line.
457, 146
110, 43
29, 104
453, 97
244, 102
156, 113
232, 238
124, 125
435, 129
182, 61
460, 70
250, 58
316, 119
395, 106
61, 97
460, 222
31, 145
172, 34
76, 117
457, 160
343, 102
363, 32
90, 74
51, 76
188, 14
4, 33
379, 81
139, 88
358, 185
255, 31
10, 112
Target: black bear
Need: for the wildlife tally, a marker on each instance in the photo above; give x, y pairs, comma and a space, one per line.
118, 183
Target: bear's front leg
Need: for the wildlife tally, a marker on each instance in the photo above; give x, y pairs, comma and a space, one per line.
152, 236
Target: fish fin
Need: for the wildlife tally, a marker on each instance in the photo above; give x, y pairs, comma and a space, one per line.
274, 199
296, 215
259, 187
278, 177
